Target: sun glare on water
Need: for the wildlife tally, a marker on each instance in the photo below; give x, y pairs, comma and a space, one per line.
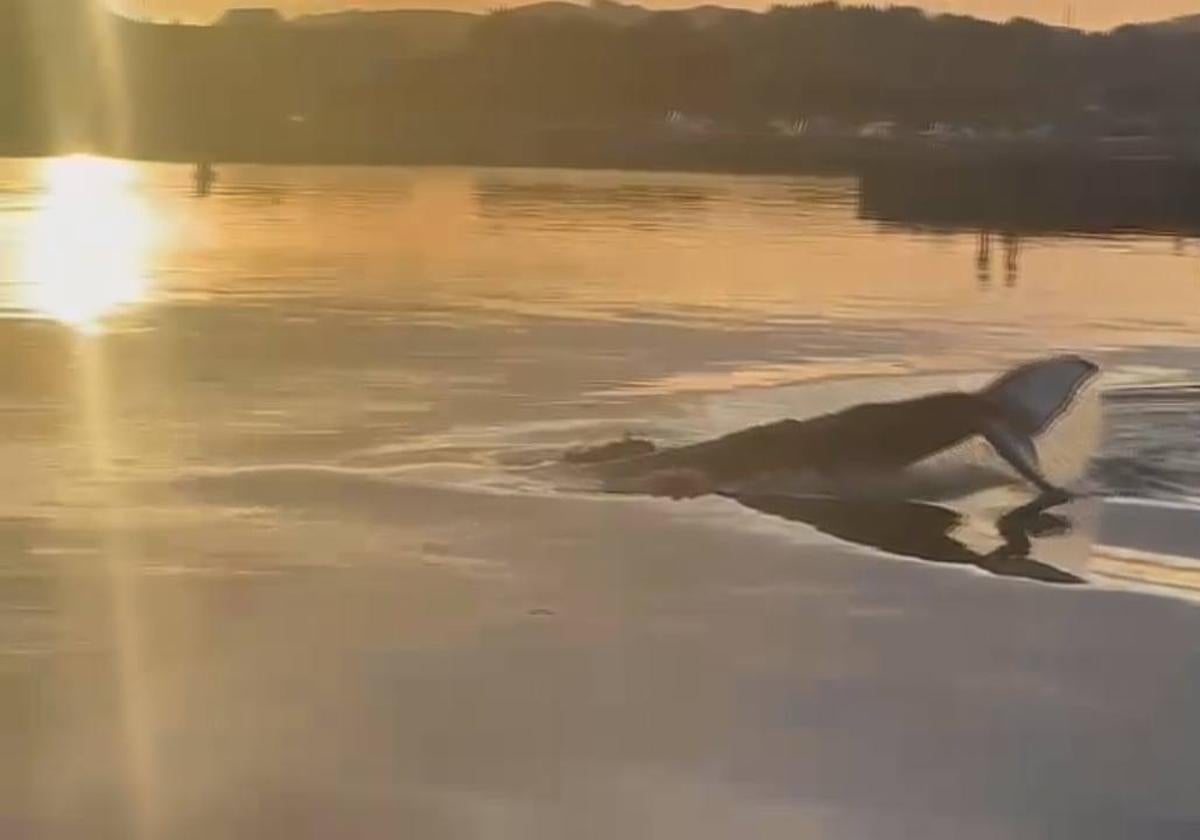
86, 252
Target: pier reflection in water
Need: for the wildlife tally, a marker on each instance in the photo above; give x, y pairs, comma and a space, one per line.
1011, 248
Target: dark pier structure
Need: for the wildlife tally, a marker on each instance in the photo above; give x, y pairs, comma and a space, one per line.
1072, 189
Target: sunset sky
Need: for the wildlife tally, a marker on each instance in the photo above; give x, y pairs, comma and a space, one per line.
1092, 14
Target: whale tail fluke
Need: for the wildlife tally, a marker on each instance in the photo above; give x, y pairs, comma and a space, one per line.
1029, 401
1034, 395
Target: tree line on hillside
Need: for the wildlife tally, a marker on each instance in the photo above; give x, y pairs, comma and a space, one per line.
370, 92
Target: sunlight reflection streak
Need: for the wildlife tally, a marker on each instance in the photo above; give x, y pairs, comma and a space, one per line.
122, 569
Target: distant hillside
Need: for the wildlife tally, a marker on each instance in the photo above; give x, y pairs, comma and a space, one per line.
448, 30
607, 11
393, 17
703, 17
558, 81
552, 10
1185, 24
621, 14
424, 31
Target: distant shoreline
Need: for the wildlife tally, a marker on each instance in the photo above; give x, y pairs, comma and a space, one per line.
1018, 187
718, 153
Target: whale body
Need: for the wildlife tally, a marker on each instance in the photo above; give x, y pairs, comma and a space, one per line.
880, 440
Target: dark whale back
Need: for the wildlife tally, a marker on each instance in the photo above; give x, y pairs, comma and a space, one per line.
883, 436
873, 436
886, 437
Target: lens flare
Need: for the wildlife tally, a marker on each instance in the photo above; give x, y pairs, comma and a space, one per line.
87, 249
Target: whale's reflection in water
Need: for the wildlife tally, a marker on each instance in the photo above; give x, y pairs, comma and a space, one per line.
926, 531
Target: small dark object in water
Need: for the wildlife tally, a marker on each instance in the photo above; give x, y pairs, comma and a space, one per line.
626, 447
203, 178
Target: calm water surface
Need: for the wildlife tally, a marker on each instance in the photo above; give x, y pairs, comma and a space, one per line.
274, 563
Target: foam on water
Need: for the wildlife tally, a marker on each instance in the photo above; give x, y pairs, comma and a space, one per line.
1150, 447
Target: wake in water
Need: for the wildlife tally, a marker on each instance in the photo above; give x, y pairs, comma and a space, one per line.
1150, 451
